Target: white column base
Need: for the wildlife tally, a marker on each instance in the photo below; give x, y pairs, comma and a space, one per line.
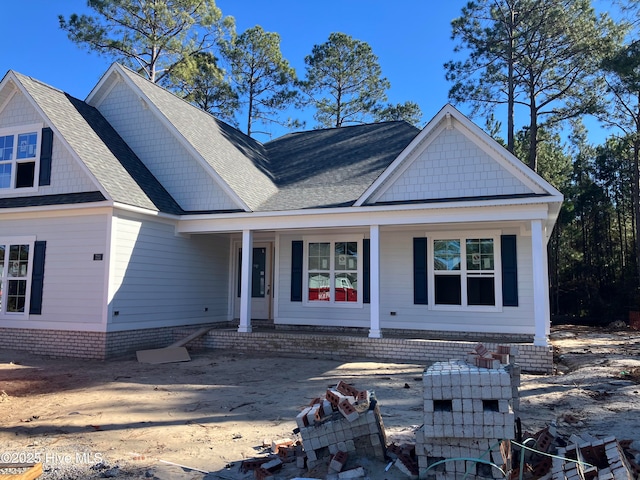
541, 341
244, 329
375, 333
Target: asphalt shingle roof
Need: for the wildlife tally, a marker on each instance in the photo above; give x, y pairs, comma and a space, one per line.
110, 160
332, 167
313, 169
238, 159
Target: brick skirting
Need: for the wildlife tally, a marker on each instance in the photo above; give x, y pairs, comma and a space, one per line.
531, 358
100, 345
93, 345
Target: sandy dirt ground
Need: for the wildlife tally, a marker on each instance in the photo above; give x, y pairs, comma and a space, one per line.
200, 419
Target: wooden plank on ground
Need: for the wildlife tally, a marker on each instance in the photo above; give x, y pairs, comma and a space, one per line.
193, 336
163, 355
33, 472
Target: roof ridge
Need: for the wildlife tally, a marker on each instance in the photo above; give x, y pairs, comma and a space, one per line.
327, 129
40, 82
198, 109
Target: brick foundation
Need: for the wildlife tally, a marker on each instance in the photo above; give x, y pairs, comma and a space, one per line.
532, 358
100, 345
92, 345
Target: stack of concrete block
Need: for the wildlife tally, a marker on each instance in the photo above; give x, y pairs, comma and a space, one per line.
345, 420
587, 460
467, 413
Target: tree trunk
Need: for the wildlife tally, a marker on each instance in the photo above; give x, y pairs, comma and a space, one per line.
533, 139
636, 210
511, 88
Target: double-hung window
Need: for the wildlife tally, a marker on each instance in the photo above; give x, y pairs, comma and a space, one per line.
466, 271
16, 260
332, 272
19, 157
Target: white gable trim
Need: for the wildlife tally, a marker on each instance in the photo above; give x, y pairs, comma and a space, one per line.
58, 135
448, 117
9, 84
95, 99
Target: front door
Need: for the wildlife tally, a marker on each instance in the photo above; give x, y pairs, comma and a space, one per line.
261, 282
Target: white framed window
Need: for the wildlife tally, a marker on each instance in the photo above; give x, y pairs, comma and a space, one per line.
333, 271
16, 264
465, 271
19, 157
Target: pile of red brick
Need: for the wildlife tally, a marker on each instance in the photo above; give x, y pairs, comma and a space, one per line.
483, 358
346, 421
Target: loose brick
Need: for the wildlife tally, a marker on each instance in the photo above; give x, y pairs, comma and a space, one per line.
348, 410
338, 461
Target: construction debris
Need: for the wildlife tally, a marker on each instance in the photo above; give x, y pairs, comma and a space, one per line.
345, 420
470, 431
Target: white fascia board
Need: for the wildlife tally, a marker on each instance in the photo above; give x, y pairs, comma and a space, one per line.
8, 82
60, 137
117, 70
352, 217
56, 211
144, 211
106, 83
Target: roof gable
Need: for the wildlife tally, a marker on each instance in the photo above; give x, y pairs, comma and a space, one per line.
118, 173
452, 159
235, 161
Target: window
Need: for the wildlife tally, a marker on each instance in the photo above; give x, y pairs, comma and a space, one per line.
19, 155
465, 271
15, 275
332, 272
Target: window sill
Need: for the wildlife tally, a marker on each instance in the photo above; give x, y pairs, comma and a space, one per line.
465, 308
333, 304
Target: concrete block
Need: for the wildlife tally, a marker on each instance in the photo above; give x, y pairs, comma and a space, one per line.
272, 465
354, 473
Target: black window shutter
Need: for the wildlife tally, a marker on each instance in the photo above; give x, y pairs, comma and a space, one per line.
37, 278
509, 271
296, 270
420, 296
46, 150
366, 270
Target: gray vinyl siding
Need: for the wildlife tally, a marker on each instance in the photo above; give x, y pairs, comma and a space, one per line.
187, 181
161, 279
453, 166
397, 293
396, 290
74, 284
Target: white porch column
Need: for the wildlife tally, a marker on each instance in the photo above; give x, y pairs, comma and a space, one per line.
245, 284
374, 270
541, 313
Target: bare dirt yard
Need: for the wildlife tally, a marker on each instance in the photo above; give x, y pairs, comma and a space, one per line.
200, 419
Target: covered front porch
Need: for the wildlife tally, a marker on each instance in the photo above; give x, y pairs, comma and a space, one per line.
378, 280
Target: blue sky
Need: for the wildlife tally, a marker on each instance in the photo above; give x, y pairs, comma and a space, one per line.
410, 37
